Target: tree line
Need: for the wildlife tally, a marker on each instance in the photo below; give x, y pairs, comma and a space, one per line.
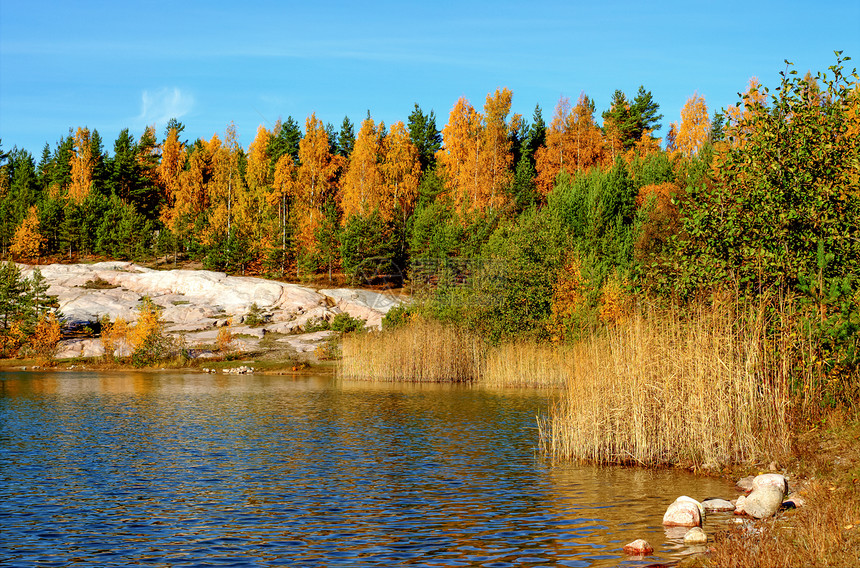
298, 202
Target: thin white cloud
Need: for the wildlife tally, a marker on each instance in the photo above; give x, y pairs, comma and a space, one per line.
157, 107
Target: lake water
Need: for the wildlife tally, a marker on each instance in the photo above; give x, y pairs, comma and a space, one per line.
113, 469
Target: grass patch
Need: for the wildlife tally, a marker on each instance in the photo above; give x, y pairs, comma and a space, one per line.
98, 283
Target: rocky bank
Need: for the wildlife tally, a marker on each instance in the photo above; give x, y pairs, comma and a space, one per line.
195, 303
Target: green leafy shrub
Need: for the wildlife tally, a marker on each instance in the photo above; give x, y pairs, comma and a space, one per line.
345, 323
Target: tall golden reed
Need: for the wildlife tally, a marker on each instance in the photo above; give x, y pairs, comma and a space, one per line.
424, 351
707, 387
527, 364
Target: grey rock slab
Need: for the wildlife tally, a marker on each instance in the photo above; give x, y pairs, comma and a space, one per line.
718, 505
363, 304
306, 342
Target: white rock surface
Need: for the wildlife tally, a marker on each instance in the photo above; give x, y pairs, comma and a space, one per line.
196, 302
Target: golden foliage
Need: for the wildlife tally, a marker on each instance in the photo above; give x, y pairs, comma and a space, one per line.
224, 342
401, 172
695, 127
173, 157
738, 118
476, 158
361, 192
28, 242
46, 336
224, 185
82, 163
318, 167
114, 337
255, 216
149, 326
573, 143
615, 302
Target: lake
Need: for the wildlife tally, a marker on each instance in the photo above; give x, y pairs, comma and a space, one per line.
185, 469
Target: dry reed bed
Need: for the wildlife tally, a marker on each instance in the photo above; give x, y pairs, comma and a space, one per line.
666, 389
701, 387
425, 351
428, 351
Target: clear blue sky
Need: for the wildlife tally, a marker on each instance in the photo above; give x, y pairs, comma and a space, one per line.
114, 65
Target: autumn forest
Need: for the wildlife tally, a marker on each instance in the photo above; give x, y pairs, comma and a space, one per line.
510, 225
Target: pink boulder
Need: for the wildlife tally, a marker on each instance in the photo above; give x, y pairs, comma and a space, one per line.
638, 547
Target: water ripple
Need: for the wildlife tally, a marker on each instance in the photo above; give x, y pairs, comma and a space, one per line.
190, 470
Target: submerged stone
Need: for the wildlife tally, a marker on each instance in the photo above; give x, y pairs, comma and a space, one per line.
695, 536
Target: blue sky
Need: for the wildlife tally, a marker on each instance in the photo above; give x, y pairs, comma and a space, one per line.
114, 65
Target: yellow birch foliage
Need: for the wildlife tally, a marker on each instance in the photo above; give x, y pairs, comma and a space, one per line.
115, 337
615, 302
46, 336
283, 190
224, 342
255, 219
695, 127
573, 142
361, 192
738, 117
82, 164
497, 157
318, 167
149, 326
401, 171
458, 157
476, 157
226, 179
28, 242
192, 200
315, 181
173, 157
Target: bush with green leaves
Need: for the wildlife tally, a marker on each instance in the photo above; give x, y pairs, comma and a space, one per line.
345, 323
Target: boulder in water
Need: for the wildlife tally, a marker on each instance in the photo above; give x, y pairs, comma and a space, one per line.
684, 512
638, 547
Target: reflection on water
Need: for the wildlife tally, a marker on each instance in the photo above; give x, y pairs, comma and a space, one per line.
191, 469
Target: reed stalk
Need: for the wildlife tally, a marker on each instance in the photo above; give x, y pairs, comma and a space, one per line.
701, 388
